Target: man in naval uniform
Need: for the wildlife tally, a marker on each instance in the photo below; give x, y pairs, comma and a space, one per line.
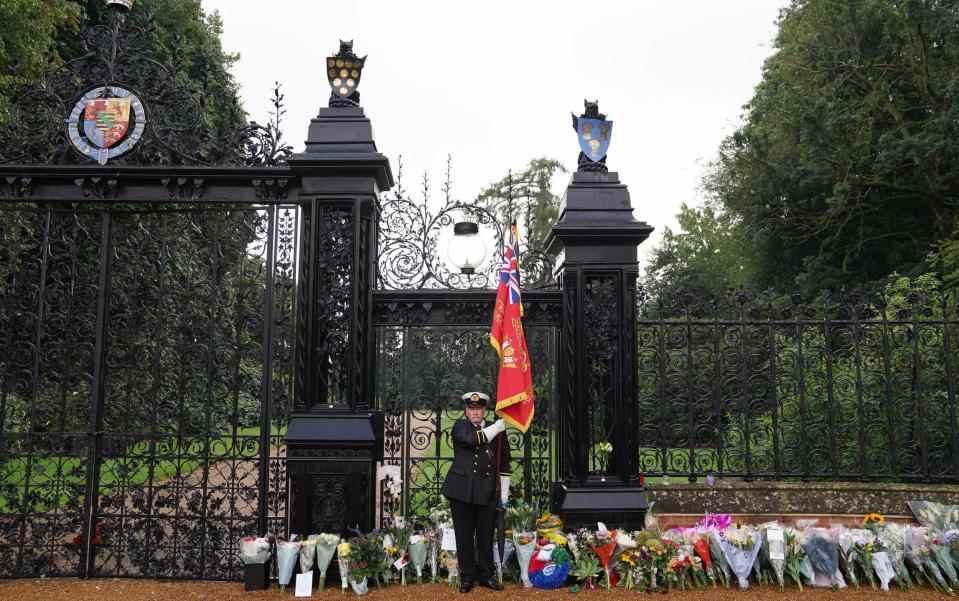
471, 486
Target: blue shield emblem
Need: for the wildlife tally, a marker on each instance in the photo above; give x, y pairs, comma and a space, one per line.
594, 137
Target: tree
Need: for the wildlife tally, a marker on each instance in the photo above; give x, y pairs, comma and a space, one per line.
527, 198
29, 33
844, 170
707, 256
168, 52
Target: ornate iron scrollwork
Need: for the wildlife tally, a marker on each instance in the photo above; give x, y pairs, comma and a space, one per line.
412, 238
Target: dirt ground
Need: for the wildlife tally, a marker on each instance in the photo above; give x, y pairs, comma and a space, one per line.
153, 590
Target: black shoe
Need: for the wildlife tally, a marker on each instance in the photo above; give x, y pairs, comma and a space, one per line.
466, 586
491, 583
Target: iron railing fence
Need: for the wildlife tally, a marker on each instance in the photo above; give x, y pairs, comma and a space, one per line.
861, 387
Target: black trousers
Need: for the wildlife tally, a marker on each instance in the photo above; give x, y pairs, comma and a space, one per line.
473, 524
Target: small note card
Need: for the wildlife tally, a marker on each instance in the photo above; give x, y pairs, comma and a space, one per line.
304, 585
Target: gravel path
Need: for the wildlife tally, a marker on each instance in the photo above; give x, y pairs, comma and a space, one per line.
153, 590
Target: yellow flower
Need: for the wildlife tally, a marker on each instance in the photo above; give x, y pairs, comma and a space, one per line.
343, 549
874, 518
554, 536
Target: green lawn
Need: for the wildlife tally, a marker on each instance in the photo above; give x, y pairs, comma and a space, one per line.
60, 481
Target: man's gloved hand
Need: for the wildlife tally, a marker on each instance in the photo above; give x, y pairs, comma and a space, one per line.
493, 430
504, 489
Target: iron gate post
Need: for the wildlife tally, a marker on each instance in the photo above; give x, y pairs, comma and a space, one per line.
596, 239
335, 438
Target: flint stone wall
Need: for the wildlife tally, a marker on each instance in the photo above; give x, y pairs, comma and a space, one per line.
758, 501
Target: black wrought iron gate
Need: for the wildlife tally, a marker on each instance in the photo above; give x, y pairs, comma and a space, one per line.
432, 349
144, 385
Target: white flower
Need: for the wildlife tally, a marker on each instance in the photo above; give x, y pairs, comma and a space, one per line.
624, 540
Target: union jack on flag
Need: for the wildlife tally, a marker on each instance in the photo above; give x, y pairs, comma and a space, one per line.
509, 268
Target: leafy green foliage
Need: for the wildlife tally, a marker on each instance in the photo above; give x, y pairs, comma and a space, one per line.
586, 566
29, 32
708, 255
844, 169
167, 38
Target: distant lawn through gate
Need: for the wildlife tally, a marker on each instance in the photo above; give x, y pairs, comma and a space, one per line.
40, 473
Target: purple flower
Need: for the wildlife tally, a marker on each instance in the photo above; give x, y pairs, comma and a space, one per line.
718, 521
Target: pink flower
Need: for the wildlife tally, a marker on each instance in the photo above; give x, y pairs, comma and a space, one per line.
718, 521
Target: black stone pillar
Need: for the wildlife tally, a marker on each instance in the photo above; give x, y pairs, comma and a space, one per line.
596, 239
334, 437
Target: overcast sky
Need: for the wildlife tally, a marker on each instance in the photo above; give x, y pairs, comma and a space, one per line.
493, 82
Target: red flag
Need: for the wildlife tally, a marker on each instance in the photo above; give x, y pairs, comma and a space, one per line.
514, 388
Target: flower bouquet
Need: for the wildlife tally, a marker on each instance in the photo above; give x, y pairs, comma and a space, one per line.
719, 558
847, 563
794, 555
629, 568
935, 515
864, 546
883, 567
307, 554
401, 534
390, 554
418, 551
549, 526
287, 552
701, 549
500, 562
586, 567
520, 517
448, 559
325, 550
654, 556
685, 570
919, 555
891, 539
776, 552
822, 551
439, 518
951, 538
603, 543
525, 543
254, 552
364, 562
343, 551
433, 552
940, 552
740, 547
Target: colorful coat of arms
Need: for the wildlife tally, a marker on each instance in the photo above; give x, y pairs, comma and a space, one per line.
106, 122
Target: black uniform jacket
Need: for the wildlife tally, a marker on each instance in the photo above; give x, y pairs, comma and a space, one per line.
472, 477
